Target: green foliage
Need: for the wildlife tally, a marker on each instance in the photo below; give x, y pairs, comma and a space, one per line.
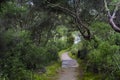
21, 55
29, 39
11, 8
101, 52
115, 0
50, 74
63, 37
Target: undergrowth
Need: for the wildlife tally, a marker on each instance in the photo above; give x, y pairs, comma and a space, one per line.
50, 73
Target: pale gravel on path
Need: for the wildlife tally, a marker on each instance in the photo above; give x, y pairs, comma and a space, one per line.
65, 56
69, 69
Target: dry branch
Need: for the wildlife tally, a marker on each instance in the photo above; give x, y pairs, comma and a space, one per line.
111, 17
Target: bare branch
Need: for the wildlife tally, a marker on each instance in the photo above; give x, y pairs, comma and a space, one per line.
75, 13
114, 26
107, 9
85, 32
66, 10
111, 17
115, 10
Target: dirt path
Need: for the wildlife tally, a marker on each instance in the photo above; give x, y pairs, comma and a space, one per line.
69, 69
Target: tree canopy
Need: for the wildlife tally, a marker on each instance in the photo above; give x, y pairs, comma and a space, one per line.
32, 32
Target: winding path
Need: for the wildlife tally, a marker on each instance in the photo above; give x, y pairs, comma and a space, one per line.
68, 61
69, 69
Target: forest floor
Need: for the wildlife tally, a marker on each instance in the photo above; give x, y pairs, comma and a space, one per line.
70, 68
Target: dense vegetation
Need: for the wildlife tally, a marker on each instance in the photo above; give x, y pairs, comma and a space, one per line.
101, 55
32, 32
29, 41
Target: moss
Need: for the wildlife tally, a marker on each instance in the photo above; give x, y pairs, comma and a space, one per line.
71, 55
51, 70
50, 74
62, 51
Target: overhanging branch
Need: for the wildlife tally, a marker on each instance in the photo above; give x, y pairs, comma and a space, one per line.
112, 16
75, 13
66, 10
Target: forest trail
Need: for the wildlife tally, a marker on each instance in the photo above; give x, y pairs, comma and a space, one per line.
67, 61
69, 69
